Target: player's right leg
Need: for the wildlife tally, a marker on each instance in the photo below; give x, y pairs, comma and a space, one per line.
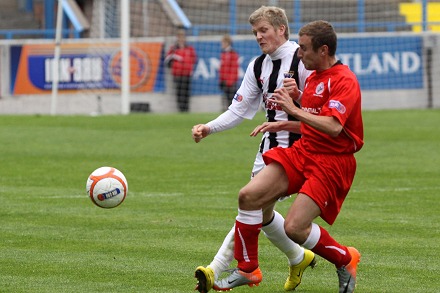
298, 257
207, 275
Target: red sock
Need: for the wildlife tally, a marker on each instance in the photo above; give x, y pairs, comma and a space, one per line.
246, 246
328, 248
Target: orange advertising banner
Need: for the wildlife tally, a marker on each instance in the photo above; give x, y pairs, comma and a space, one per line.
83, 66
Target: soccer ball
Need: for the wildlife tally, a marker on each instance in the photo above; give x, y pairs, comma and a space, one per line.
107, 187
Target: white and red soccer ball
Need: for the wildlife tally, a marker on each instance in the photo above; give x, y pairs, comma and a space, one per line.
107, 187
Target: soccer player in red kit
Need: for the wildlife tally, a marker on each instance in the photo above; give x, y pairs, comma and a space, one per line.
319, 167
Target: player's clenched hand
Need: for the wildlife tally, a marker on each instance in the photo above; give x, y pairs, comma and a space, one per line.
283, 99
199, 131
292, 88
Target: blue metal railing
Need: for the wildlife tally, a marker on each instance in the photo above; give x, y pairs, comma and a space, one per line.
49, 20
360, 24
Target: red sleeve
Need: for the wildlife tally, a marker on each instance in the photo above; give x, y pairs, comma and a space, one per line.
343, 98
345, 105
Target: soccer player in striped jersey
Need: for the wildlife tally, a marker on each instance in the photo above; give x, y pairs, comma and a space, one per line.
270, 27
319, 167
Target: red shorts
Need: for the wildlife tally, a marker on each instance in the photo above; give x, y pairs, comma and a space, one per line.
325, 178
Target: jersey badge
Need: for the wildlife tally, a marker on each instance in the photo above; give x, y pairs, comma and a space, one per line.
238, 97
289, 74
319, 89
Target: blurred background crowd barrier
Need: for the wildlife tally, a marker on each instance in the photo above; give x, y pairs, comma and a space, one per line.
392, 46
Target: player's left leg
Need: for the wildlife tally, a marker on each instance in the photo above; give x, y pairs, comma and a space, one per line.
264, 189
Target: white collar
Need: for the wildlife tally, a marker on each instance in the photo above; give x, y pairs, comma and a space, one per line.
283, 50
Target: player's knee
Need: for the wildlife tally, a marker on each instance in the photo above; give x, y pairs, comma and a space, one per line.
247, 200
243, 197
294, 232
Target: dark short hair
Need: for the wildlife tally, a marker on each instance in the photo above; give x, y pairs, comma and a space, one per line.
321, 33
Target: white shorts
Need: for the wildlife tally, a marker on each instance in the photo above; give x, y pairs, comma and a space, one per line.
258, 166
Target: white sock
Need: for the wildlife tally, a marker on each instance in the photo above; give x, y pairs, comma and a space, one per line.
274, 231
224, 256
254, 217
312, 240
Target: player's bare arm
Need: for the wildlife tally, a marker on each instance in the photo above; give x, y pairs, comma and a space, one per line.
200, 131
291, 126
325, 124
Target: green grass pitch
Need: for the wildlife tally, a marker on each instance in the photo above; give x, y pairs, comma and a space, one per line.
182, 201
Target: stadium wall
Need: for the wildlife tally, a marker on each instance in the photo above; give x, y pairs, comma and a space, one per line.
396, 71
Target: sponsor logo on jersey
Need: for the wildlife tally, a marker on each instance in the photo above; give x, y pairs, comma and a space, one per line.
315, 111
337, 105
269, 103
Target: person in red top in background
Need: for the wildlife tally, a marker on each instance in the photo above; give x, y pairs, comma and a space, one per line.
181, 58
319, 167
228, 73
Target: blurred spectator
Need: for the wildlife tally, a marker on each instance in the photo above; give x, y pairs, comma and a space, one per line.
181, 58
228, 73
39, 12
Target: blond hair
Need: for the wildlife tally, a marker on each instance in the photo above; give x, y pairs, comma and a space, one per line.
227, 38
274, 15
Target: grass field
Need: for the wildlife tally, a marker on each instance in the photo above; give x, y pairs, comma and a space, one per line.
183, 199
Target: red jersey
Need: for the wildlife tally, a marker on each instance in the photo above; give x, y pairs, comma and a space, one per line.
182, 60
229, 67
333, 92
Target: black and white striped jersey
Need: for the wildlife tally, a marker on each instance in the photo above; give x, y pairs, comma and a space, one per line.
249, 97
